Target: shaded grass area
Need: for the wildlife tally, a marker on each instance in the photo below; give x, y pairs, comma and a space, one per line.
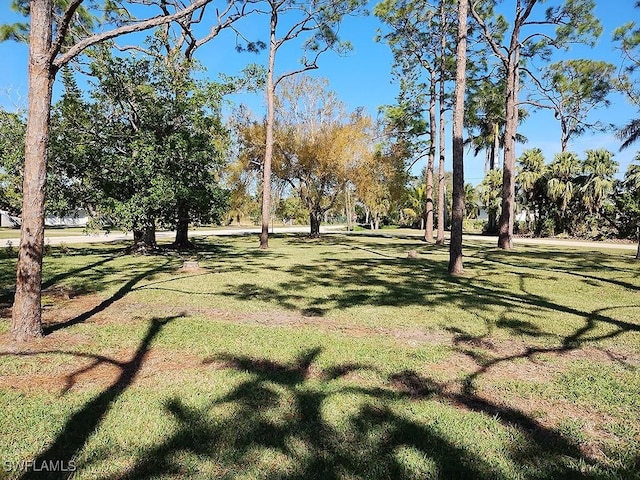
8, 233
339, 358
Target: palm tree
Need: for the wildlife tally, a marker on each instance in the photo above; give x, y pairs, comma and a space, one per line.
417, 200
629, 134
530, 181
563, 171
490, 194
486, 121
600, 169
471, 202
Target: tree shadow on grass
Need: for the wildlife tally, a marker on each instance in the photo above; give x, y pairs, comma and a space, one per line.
79, 427
402, 282
86, 278
119, 294
259, 437
576, 264
6, 298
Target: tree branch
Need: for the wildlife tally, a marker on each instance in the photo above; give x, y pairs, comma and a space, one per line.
487, 34
63, 28
142, 25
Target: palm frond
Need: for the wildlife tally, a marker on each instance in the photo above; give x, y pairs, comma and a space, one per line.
629, 134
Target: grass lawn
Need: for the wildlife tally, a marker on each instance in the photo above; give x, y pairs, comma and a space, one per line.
6, 233
337, 358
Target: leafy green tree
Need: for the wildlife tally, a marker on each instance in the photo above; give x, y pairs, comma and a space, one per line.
531, 181
534, 30
291, 209
149, 145
421, 38
12, 131
58, 32
490, 192
319, 22
572, 89
627, 37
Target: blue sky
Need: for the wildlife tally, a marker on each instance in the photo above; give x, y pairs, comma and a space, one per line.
363, 78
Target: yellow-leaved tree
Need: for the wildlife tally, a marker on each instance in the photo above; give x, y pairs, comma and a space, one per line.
318, 144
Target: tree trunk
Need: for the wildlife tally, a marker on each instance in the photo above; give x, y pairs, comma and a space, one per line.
314, 220
492, 216
144, 238
455, 247
182, 229
26, 319
495, 147
505, 234
441, 177
428, 231
268, 151
564, 135
348, 209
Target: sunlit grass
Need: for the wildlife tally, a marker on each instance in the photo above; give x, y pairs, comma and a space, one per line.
333, 358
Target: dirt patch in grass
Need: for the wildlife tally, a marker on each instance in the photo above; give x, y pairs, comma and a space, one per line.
68, 307
483, 362
93, 370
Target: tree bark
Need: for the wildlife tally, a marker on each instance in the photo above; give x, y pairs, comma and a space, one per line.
348, 209
505, 234
428, 231
268, 151
26, 319
455, 247
492, 220
182, 229
144, 238
441, 177
314, 220
442, 107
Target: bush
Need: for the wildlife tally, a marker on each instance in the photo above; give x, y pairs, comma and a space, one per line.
548, 228
473, 225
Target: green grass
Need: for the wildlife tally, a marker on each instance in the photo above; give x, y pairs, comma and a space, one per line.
337, 358
6, 233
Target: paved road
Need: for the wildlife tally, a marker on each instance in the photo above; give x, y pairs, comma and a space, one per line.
113, 237
524, 240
